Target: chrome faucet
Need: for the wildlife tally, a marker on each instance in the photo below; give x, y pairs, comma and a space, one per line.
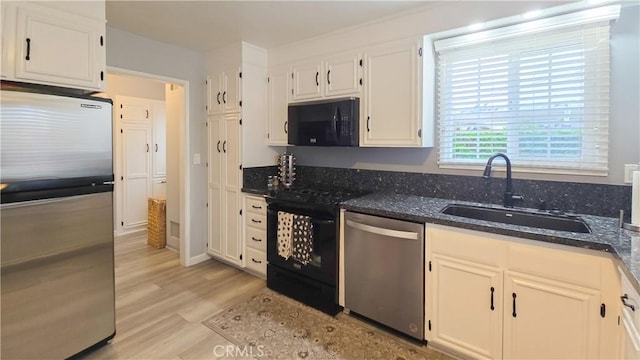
509, 197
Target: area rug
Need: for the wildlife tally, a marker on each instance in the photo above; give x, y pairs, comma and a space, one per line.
271, 326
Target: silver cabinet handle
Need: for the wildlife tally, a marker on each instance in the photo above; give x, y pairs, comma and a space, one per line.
384, 232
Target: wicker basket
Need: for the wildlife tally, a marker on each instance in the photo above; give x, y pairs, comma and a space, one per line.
157, 224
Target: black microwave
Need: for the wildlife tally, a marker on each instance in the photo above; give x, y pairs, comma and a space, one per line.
324, 123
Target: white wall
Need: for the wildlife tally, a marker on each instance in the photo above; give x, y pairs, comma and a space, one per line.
136, 53
129, 85
438, 17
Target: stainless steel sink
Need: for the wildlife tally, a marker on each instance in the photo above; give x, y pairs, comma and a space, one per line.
517, 217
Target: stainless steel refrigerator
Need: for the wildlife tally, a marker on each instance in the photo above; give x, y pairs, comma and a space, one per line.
56, 223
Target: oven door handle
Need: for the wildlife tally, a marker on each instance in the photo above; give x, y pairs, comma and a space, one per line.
294, 212
322, 222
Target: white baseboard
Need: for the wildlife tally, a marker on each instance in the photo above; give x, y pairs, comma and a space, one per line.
131, 233
197, 259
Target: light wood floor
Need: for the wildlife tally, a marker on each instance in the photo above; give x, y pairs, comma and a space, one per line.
160, 304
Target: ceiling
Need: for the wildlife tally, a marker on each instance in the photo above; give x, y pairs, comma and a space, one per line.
206, 25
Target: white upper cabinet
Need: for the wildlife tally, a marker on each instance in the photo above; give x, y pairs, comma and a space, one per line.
7, 21
337, 75
388, 80
224, 91
279, 91
393, 96
53, 47
306, 81
343, 75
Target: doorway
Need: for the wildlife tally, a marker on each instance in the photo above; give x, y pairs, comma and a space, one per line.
154, 123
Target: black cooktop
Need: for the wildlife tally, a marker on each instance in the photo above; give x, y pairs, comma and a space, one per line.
313, 196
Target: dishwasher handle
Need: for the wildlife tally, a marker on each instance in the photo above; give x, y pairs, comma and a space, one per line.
409, 235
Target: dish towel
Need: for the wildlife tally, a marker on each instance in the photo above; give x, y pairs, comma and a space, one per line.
285, 223
302, 239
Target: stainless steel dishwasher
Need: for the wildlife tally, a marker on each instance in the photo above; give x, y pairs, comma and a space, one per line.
384, 271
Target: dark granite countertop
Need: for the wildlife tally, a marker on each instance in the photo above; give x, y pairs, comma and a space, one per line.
606, 233
255, 191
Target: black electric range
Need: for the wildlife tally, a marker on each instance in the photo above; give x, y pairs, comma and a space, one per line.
312, 279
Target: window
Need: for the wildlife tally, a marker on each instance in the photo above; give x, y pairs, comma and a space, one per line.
537, 91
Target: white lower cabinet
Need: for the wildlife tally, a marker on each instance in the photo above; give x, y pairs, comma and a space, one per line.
630, 320
562, 317
492, 297
463, 290
255, 234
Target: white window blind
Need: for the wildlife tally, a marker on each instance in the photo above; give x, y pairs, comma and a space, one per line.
537, 91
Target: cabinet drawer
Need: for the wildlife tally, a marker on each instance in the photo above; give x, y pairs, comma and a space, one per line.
257, 221
256, 238
255, 205
465, 244
257, 261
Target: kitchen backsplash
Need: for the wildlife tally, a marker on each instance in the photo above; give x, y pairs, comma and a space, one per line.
592, 199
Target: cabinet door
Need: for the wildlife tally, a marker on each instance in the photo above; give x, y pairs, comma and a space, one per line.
233, 243
136, 178
231, 147
343, 75
59, 48
231, 151
279, 90
546, 319
215, 86
392, 115
159, 140
7, 39
466, 311
131, 109
307, 82
232, 90
215, 193
630, 339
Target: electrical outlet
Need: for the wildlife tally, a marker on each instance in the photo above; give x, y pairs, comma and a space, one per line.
628, 172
